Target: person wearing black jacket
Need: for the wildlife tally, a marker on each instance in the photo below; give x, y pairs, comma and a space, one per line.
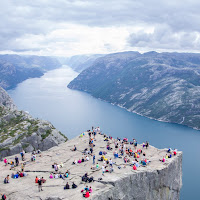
40, 185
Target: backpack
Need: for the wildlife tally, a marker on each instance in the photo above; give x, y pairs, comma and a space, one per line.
100, 152
5, 181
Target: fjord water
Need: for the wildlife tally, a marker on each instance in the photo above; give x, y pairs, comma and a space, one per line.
73, 112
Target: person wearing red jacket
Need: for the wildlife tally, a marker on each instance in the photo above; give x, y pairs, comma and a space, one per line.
87, 194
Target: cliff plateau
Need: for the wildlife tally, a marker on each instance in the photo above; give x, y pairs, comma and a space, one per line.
158, 180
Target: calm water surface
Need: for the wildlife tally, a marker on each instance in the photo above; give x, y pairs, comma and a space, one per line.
73, 112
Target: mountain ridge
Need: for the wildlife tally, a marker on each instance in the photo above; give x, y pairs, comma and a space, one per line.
162, 86
15, 68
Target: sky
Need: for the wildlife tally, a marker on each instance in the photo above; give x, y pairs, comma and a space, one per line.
71, 27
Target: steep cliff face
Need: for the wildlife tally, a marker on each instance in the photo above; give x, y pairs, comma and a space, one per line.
18, 130
163, 184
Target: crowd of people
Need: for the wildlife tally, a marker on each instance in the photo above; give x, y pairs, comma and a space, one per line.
132, 157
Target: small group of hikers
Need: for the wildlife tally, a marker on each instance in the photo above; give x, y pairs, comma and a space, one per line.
67, 186
33, 156
60, 175
12, 163
56, 166
86, 178
86, 191
39, 181
18, 174
169, 154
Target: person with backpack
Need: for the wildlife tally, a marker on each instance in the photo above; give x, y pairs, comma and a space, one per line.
40, 185
16, 161
74, 185
67, 186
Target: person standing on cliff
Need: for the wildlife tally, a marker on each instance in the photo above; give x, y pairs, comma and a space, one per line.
40, 185
93, 159
16, 160
5, 161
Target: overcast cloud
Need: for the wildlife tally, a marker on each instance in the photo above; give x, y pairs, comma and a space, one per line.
69, 27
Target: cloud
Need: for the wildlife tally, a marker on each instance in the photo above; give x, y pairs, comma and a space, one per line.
164, 38
60, 26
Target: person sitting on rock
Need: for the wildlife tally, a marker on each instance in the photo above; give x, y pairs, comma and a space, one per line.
90, 179
134, 167
100, 159
12, 165
21, 174
74, 162
86, 195
111, 169
38, 151
74, 185
79, 161
51, 176
90, 189
67, 173
43, 180
56, 176
7, 179
85, 177
97, 165
169, 150
82, 159
67, 186
87, 158
175, 152
86, 188
163, 160
74, 149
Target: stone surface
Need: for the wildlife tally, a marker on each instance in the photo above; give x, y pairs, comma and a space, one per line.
160, 181
5, 100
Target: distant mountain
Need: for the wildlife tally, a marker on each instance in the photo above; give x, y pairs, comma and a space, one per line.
15, 69
80, 62
162, 86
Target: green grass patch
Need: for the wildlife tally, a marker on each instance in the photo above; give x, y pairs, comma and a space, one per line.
48, 132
